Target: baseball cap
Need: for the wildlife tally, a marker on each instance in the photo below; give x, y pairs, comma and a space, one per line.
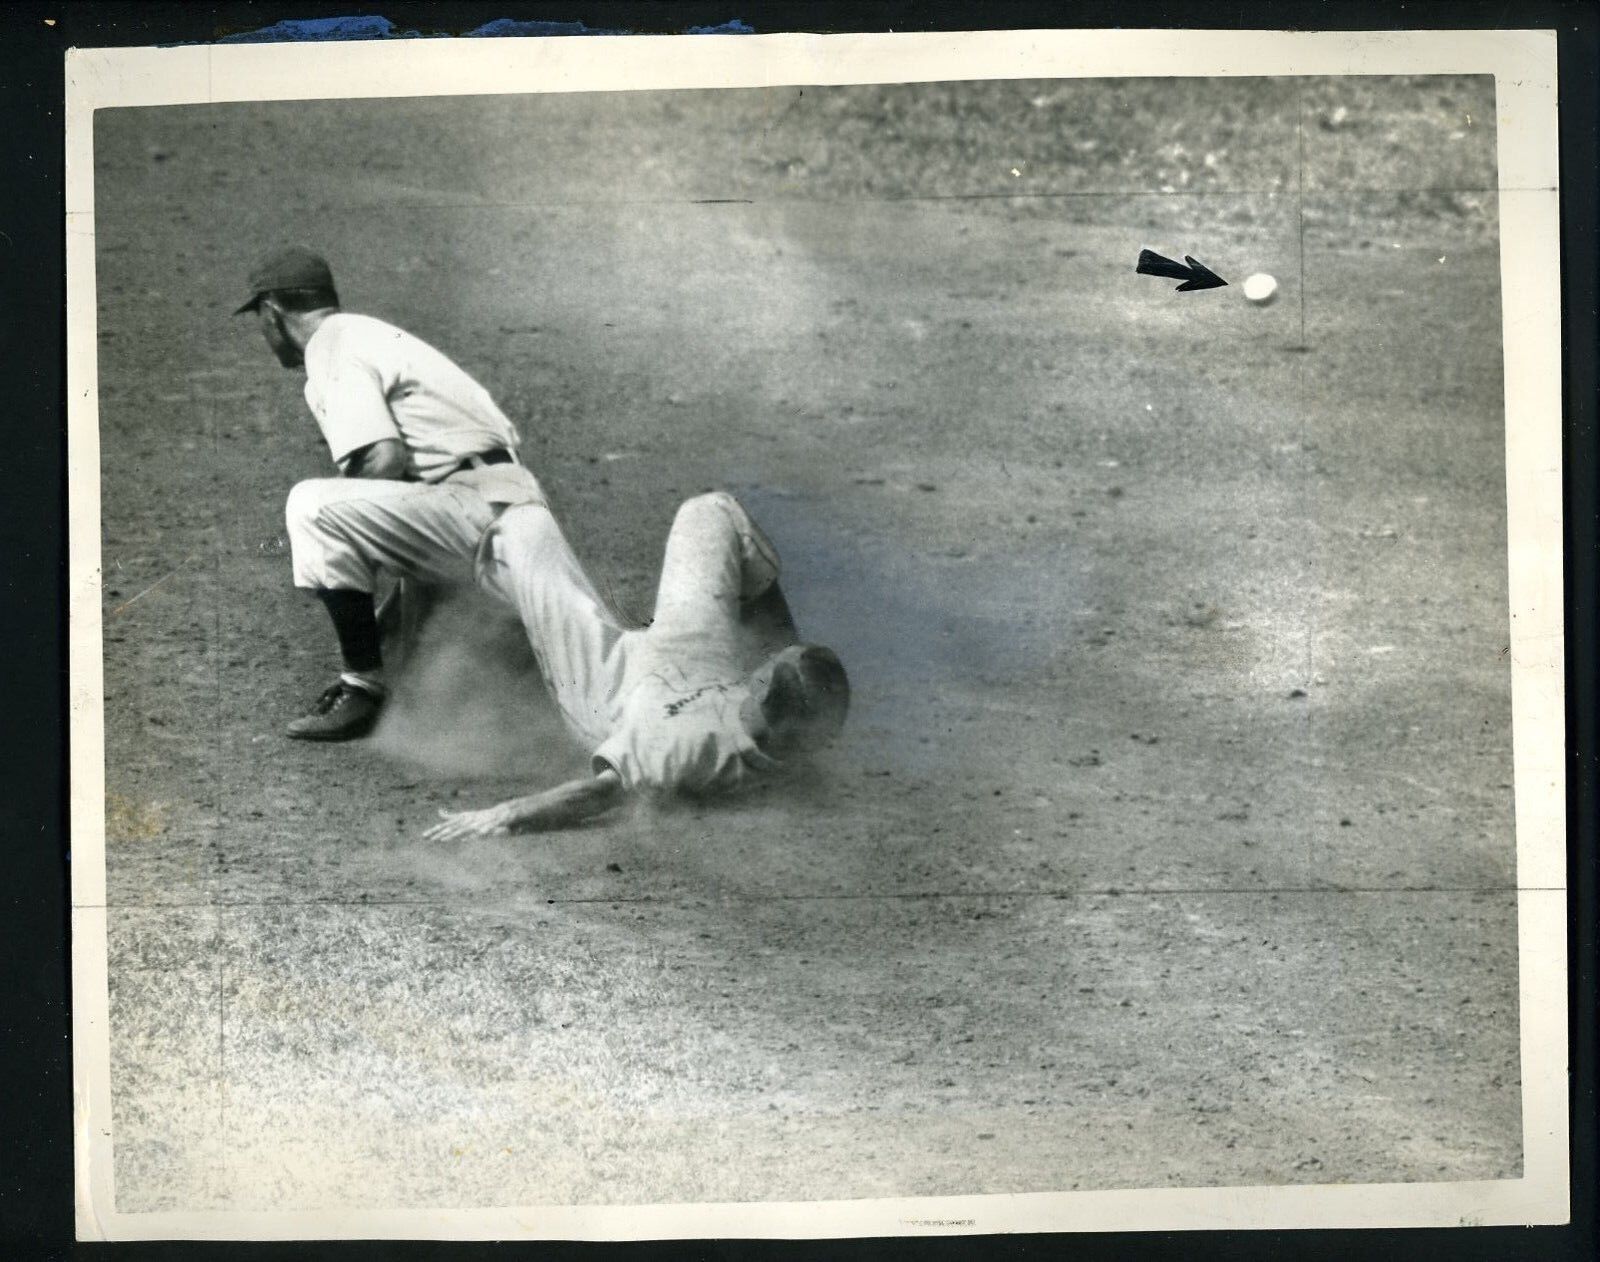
804, 686
294, 268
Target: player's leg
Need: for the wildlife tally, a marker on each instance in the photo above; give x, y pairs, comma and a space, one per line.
720, 569
767, 624
342, 532
718, 562
403, 606
720, 578
527, 562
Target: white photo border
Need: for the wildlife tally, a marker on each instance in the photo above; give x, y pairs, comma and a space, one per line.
1523, 64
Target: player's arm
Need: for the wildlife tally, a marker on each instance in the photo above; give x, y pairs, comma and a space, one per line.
357, 422
386, 458
560, 807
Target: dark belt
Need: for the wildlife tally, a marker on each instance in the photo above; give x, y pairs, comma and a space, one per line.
498, 456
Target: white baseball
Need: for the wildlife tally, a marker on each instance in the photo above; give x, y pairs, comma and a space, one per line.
1260, 288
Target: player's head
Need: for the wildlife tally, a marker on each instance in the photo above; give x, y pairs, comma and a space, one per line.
803, 695
285, 285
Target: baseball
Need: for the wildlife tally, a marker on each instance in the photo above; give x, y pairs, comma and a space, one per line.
1260, 288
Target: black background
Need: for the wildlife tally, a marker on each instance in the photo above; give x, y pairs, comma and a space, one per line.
36, 1212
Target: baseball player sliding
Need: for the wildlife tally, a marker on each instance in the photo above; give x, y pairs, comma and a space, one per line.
715, 690
426, 461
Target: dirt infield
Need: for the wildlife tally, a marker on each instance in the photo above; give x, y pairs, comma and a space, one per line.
1170, 841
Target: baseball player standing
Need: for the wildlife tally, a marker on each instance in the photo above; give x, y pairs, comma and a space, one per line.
717, 689
426, 462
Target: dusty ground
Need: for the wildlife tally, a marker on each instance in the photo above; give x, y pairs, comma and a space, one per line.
1171, 839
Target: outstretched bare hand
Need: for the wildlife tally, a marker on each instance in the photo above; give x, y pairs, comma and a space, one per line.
459, 825
564, 805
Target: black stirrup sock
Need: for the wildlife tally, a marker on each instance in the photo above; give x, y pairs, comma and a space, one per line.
356, 625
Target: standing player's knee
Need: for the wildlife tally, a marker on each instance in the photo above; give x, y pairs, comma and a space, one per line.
304, 502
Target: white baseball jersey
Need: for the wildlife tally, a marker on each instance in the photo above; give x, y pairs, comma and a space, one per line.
367, 381
677, 728
662, 706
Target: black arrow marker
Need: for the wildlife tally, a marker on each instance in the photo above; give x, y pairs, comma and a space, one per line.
1195, 276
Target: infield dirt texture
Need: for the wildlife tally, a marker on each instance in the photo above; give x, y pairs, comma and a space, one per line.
1170, 841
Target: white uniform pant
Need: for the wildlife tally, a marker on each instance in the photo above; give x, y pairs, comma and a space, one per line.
342, 531
716, 557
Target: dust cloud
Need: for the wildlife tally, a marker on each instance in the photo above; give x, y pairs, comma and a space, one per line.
467, 701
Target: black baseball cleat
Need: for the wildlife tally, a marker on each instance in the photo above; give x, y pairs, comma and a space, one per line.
342, 713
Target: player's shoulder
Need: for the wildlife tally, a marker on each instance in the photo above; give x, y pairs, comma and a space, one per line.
352, 329
349, 336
